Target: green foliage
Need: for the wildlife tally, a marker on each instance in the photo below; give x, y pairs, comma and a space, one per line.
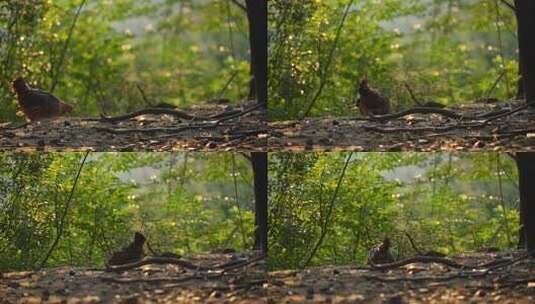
450, 51
446, 202
181, 202
180, 52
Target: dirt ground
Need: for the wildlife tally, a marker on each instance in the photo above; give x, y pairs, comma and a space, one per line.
148, 132
475, 130
411, 283
146, 284
496, 277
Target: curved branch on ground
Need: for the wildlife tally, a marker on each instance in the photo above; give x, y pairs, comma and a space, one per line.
418, 110
186, 264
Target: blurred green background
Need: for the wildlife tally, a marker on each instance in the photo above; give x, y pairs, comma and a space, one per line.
181, 52
449, 51
447, 202
185, 203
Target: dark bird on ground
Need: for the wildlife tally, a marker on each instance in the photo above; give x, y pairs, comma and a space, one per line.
370, 101
130, 254
380, 254
37, 104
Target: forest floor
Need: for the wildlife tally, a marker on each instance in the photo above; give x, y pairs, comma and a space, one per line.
472, 127
242, 281
216, 126
497, 277
509, 278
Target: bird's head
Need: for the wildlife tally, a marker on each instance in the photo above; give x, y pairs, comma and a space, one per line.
363, 86
386, 242
139, 239
364, 82
19, 84
65, 108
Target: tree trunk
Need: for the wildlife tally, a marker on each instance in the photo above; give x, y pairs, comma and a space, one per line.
521, 237
260, 172
526, 176
257, 16
520, 83
525, 16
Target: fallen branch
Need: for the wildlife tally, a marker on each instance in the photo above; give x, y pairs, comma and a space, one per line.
204, 276
510, 112
419, 129
490, 116
412, 279
198, 125
158, 261
493, 115
173, 130
511, 262
420, 259
418, 110
233, 287
462, 274
181, 114
185, 264
155, 111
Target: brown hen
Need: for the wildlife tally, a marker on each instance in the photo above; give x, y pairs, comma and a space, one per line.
130, 254
37, 104
370, 101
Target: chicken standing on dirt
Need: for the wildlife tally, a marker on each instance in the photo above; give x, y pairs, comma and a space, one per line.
37, 104
380, 254
370, 101
130, 254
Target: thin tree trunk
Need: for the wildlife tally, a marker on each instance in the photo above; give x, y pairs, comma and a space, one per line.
257, 16
526, 176
525, 15
520, 83
59, 231
260, 172
325, 225
57, 68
